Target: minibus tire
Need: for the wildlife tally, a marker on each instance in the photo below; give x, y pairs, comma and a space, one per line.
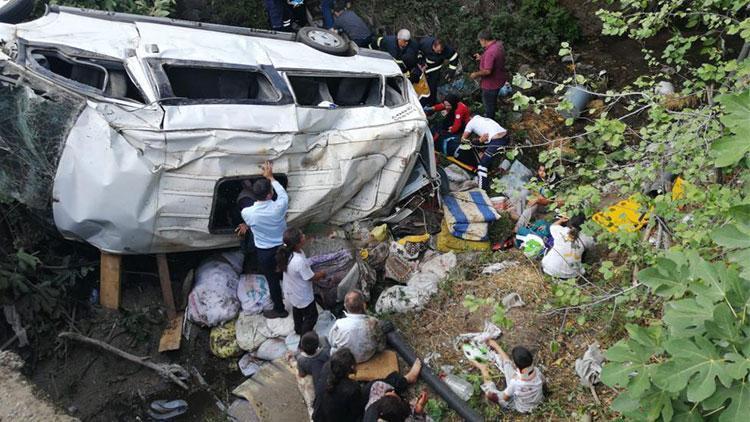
323, 40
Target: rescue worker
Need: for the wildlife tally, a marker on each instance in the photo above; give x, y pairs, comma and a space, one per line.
347, 21
433, 53
283, 13
278, 16
404, 51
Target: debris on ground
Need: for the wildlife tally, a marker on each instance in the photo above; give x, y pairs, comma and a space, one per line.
171, 371
498, 267
589, 367
512, 300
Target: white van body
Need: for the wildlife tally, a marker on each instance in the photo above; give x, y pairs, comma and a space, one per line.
178, 113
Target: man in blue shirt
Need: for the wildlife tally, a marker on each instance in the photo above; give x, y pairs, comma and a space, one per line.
266, 218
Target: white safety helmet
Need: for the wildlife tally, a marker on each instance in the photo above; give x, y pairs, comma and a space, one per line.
404, 34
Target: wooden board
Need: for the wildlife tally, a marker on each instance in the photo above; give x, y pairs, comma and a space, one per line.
171, 336
377, 368
273, 393
109, 280
166, 285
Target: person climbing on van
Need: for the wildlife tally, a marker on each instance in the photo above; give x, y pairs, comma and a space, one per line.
447, 134
266, 218
347, 21
491, 137
491, 71
298, 280
524, 383
563, 260
433, 54
404, 50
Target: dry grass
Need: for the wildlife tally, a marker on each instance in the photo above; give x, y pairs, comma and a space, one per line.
434, 329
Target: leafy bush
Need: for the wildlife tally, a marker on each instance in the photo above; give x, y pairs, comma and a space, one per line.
696, 360
535, 26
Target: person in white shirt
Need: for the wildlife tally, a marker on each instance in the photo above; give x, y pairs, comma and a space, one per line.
563, 260
524, 383
358, 332
266, 218
491, 137
298, 280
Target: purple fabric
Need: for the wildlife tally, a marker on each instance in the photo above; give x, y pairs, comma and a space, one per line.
493, 59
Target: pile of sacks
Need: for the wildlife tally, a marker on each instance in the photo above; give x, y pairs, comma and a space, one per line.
231, 304
420, 287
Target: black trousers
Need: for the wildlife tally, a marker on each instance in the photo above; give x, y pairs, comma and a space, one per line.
267, 263
305, 318
489, 99
433, 79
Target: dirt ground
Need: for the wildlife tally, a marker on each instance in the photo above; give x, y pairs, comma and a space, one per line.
434, 329
96, 386
19, 400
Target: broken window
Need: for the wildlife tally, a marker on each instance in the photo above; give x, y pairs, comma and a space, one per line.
229, 198
395, 91
341, 91
204, 83
107, 76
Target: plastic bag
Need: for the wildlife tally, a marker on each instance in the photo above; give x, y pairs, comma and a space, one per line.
324, 324
223, 341
271, 349
280, 327
532, 245
253, 293
213, 300
251, 331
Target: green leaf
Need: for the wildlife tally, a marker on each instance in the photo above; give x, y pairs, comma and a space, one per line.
730, 236
665, 279
739, 396
732, 148
709, 287
740, 363
723, 326
695, 364
685, 318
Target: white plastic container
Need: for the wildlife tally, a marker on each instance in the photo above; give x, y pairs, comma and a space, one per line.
463, 389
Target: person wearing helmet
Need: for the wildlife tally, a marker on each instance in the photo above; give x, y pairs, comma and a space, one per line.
404, 50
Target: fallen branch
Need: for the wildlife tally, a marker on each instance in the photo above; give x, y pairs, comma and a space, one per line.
172, 372
598, 301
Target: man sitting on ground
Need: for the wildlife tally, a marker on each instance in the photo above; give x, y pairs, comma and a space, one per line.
492, 137
524, 382
358, 332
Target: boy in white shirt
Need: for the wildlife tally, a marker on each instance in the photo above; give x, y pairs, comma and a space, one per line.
524, 383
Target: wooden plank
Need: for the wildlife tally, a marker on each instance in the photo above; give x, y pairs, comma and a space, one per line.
378, 367
166, 285
109, 280
171, 336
